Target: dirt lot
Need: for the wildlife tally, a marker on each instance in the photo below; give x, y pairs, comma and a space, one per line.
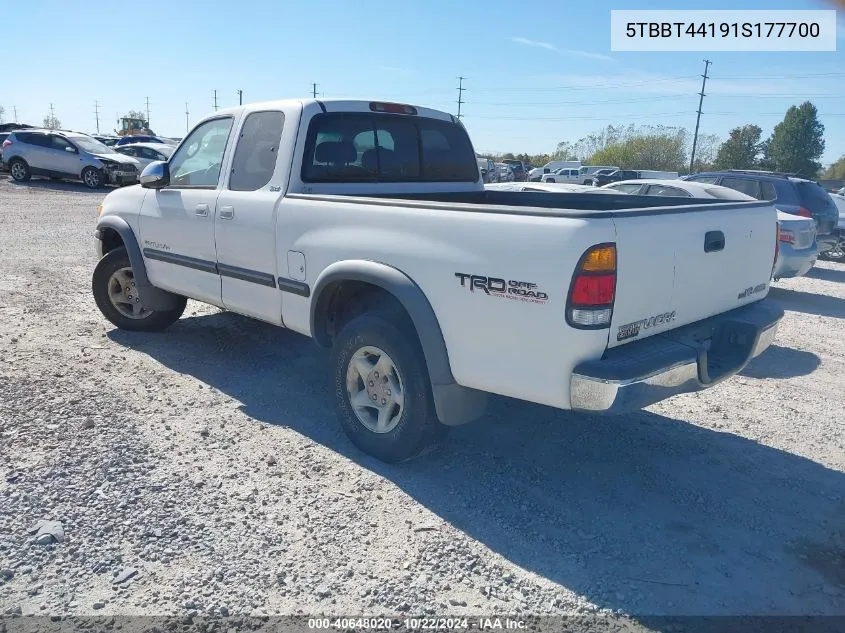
205, 464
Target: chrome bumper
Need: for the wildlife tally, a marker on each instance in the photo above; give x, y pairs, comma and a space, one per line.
688, 359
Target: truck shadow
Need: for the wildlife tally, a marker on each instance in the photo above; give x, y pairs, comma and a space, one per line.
809, 302
781, 362
827, 274
700, 521
60, 185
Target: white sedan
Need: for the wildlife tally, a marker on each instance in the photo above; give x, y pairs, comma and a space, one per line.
146, 153
797, 250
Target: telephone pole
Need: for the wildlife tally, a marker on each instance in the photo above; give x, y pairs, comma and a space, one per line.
460, 94
215, 100
314, 90
240, 97
15, 110
52, 118
97, 114
186, 117
707, 63
148, 111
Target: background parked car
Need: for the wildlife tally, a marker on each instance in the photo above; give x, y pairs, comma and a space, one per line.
837, 253
140, 138
146, 153
793, 195
108, 141
506, 173
606, 176
56, 154
797, 248
3, 137
565, 174
489, 171
518, 169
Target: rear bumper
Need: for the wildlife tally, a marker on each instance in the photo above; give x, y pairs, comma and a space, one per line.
793, 262
688, 359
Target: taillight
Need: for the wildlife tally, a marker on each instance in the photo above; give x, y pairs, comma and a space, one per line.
393, 108
6, 143
804, 213
777, 246
786, 236
589, 305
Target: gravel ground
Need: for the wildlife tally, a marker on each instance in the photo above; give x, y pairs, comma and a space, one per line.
201, 471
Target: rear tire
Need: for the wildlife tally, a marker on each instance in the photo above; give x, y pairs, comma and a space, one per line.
19, 170
377, 358
113, 287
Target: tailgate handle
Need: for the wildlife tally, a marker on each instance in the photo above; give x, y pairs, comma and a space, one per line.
714, 241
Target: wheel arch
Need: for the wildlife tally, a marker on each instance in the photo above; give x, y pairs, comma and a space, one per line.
454, 403
111, 228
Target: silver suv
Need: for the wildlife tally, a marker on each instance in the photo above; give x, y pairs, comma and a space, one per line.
58, 154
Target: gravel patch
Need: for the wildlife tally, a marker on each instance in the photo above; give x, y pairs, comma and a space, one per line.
201, 472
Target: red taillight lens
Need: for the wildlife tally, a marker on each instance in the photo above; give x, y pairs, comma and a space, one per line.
6, 143
804, 213
777, 246
787, 237
593, 290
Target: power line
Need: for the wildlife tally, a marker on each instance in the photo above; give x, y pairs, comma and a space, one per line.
460, 94
707, 63
97, 114
620, 116
661, 96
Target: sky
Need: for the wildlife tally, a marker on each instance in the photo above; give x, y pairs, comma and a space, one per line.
536, 73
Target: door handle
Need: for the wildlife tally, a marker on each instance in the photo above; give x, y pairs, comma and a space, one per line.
202, 210
714, 241
227, 213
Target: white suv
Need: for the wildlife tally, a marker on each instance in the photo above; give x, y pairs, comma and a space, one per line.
67, 155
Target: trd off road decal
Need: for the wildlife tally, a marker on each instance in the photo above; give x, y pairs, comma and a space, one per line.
630, 330
498, 287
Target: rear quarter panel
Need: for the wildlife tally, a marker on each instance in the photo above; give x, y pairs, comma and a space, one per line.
496, 343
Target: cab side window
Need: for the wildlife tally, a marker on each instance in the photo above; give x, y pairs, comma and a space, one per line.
255, 154
199, 158
61, 144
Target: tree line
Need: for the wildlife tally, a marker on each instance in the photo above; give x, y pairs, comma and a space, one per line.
795, 146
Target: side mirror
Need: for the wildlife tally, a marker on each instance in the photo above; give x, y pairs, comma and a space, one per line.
70, 149
156, 175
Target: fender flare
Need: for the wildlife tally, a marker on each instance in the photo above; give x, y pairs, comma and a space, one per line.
454, 403
152, 298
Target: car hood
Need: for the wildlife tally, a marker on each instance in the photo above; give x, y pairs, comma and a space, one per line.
123, 159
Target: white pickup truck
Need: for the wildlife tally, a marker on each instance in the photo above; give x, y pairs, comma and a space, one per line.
366, 226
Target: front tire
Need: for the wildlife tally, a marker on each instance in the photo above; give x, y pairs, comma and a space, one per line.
19, 170
381, 387
92, 177
113, 286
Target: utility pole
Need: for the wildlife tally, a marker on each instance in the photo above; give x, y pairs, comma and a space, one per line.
15, 110
186, 117
97, 114
314, 90
240, 97
460, 94
148, 111
707, 63
52, 118
215, 100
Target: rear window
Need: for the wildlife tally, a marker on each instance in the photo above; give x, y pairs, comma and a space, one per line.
352, 147
814, 197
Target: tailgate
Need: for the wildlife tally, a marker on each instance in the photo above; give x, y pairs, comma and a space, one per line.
683, 264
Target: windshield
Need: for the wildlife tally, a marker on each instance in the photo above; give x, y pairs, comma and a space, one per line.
91, 145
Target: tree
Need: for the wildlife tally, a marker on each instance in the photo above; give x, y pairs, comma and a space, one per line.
52, 123
136, 114
797, 142
646, 147
705, 151
2, 112
836, 171
741, 150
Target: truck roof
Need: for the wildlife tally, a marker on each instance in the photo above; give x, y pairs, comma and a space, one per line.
333, 105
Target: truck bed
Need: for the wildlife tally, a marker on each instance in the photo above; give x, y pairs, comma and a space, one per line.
563, 204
